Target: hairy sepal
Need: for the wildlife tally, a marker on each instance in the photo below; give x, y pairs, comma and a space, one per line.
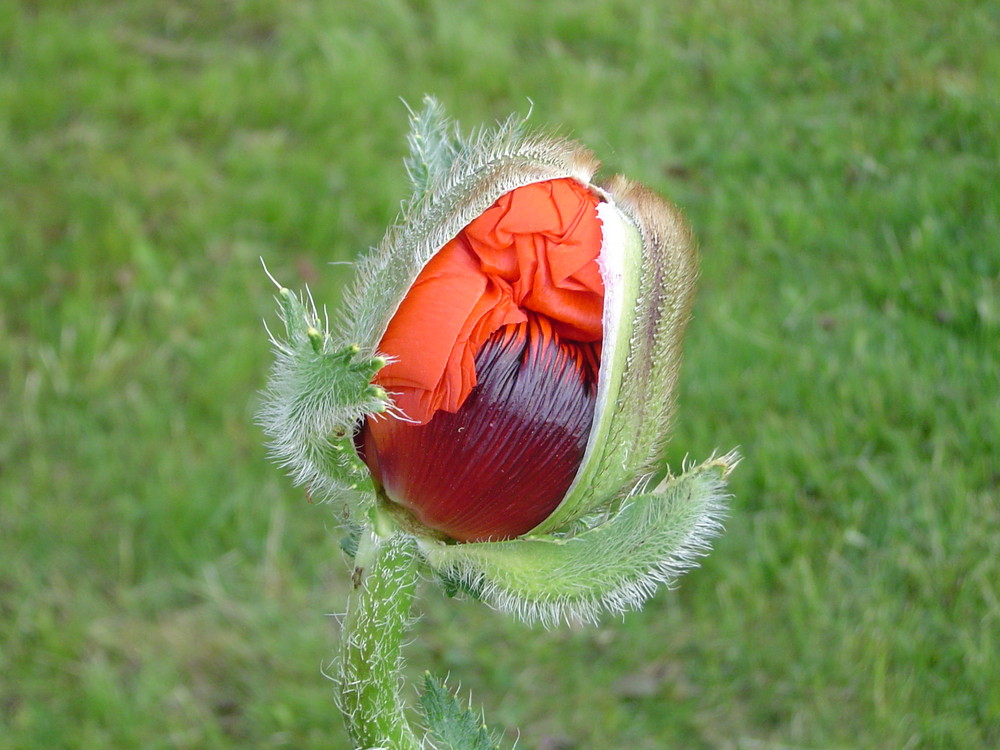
434, 142
613, 566
621, 270
655, 286
319, 389
455, 180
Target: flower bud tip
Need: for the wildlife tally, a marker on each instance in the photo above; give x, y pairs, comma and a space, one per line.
316, 339
379, 393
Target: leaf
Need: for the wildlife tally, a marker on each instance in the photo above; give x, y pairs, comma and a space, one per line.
614, 566
449, 726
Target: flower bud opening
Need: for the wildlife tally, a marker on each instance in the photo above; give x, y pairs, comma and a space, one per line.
495, 351
501, 463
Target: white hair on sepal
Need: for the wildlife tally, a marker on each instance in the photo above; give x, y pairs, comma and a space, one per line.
612, 568
317, 393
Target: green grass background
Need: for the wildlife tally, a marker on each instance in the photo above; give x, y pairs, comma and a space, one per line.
163, 586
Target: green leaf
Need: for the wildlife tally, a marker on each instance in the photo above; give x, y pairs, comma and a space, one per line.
613, 566
449, 726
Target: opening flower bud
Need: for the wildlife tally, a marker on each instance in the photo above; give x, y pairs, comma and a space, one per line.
495, 354
503, 371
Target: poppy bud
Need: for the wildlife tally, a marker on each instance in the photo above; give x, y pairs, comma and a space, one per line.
504, 366
502, 375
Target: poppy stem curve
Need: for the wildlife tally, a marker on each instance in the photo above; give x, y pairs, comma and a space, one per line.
378, 614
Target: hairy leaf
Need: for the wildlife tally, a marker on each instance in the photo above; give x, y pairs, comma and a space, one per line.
449, 725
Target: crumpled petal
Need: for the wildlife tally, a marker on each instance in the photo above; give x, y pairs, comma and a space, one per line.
534, 250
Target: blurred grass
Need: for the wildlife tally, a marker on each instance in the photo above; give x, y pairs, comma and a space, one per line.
163, 586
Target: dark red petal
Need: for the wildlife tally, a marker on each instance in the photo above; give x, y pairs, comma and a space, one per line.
500, 465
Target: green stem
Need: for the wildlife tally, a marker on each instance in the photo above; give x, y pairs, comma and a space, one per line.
378, 614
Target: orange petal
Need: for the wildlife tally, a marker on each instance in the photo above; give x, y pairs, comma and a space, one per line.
535, 250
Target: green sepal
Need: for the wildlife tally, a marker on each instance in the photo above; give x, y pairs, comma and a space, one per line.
449, 725
605, 471
635, 409
319, 390
434, 142
613, 566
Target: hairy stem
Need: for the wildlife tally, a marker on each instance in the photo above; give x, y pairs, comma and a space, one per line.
378, 614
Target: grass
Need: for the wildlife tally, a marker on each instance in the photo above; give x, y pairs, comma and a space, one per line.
163, 586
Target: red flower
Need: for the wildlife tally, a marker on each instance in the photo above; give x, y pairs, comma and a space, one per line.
495, 353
